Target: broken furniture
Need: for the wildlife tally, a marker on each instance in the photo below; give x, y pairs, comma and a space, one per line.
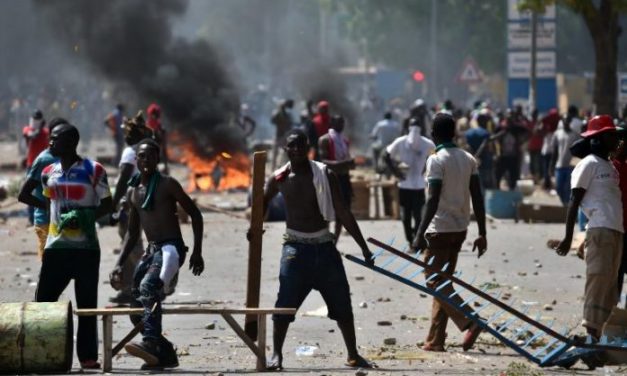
531, 338
227, 313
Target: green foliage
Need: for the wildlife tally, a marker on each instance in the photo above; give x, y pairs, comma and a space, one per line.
398, 33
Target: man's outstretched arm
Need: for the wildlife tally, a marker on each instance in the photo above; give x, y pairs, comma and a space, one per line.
346, 217
478, 207
196, 263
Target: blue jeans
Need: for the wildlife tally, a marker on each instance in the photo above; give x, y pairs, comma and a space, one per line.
562, 183
148, 288
313, 266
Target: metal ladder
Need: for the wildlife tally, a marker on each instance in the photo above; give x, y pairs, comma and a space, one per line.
531, 338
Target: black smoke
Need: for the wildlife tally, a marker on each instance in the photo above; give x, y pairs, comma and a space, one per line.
130, 43
322, 82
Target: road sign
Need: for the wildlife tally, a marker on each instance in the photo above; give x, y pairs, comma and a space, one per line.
470, 73
546, 89
519, 35
519, 64
622, 88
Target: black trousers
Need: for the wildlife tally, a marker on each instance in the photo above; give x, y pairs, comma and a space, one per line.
509, 165
411, 202
346, 188
58, 267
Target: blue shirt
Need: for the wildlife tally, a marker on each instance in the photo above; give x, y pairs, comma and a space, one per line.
474, 138
43, 159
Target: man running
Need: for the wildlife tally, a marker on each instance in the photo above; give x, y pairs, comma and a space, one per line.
152, 199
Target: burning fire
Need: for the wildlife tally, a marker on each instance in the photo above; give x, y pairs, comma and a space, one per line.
216, 173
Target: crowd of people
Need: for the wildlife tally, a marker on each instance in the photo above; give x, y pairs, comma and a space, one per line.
455, 157
443, 161
70, 193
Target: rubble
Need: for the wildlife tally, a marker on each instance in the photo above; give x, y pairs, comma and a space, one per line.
389, 341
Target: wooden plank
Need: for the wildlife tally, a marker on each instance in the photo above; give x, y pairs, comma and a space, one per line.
138, 328
255, 241
240, 332
135, 331
107, 339
185, 311
261, 342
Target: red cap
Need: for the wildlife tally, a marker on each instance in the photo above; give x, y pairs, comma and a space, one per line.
323, 104
598, 125
154, 108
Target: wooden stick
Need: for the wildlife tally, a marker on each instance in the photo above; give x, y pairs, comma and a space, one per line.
107, 338
261, 342
185, 310
213, 208
136, 329
255, 242
240, 332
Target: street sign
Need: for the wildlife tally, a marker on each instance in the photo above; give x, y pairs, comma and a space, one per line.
470, 73
519, 35
546, 89
622, 88
519, 64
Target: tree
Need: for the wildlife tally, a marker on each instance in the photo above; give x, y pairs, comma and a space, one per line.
398, 33
602, 20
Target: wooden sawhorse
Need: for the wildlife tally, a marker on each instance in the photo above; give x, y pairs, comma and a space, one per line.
258, 349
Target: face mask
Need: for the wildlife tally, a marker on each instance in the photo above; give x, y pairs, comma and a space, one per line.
35, 123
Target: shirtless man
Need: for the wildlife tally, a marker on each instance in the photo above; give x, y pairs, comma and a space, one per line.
152, 199
310, 259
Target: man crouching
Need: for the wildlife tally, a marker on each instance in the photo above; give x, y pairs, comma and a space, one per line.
310, 259
152, 198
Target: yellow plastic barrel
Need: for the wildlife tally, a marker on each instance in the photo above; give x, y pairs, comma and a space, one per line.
36, 337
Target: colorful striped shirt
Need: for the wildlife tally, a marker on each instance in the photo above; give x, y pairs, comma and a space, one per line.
74, 195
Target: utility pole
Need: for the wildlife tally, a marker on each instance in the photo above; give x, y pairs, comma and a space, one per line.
433, 83
533, 71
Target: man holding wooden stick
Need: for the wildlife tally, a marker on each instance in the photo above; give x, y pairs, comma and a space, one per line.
310, 259
152, 199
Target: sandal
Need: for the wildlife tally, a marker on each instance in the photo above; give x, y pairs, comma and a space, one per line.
90, 364
433, 348
275, 364
360, 362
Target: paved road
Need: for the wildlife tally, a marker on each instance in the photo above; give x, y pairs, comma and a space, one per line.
515, 250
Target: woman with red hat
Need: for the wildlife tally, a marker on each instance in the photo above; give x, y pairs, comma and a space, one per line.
595, 187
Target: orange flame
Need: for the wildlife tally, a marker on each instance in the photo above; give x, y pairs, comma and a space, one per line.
221, 172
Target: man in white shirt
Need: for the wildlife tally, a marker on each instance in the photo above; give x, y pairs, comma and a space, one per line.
595, 187
410, 152
452, 181
383, 133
